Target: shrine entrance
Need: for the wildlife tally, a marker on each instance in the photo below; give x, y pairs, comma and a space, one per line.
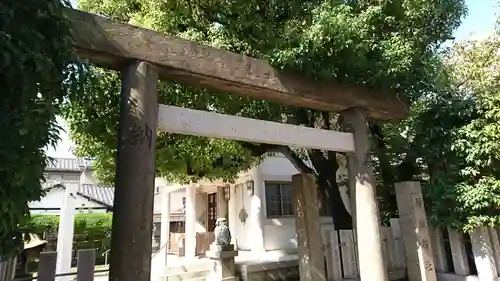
144, 56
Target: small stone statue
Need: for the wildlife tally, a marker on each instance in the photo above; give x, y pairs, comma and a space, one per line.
222, 233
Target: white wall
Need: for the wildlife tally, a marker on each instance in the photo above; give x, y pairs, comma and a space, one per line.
87, 177
54, 199
241, 231
62, 176
175, 201
279, 233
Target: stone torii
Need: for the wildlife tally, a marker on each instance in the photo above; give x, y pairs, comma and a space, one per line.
144, 56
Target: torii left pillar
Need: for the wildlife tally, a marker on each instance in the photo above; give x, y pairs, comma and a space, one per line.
131, 241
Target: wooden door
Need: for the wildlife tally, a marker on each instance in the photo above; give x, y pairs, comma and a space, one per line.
212, 211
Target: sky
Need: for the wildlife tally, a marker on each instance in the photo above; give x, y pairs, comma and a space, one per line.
479, 24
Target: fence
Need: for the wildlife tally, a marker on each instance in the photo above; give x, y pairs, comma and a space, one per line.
8, 269
341, 254
80, 242
475, 255
457, 256
203, 241
177, 243
47, 268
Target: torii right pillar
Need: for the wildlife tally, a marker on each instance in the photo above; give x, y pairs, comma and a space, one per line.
366, 222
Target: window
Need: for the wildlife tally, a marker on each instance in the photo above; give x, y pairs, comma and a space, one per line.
184, 203
71, 177
279, 199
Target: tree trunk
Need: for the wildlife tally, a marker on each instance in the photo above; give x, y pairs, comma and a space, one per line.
329, 189
326, 177
335, 206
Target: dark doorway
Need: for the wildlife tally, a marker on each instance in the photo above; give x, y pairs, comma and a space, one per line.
212, 211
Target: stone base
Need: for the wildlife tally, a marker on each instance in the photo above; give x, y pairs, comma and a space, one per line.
221, 248
223, 259
220, 252
218, 255
232, 278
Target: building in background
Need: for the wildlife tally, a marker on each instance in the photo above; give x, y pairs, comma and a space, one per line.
258, 205
91, 197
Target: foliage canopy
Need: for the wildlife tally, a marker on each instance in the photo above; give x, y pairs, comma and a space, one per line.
387, 45
450, 141
91, 231
382, 44
34, 58
471, 174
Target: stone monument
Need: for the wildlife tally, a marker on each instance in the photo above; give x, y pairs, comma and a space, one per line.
222, 253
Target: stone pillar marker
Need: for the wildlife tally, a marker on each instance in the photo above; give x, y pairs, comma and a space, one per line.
363, 202
66, 229
495, 245
307, 223
438, 250
483, 254
459, 256
222, 253
131, 238
190, 224
165, 225
415, 232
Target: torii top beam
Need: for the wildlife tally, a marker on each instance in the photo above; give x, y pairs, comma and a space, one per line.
111, 44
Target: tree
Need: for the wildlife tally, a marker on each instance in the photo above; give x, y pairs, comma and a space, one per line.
451, 140
473, 179
385, 45
34, 61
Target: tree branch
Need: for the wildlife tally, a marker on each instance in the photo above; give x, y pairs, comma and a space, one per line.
296, 161
326, 120
260, 149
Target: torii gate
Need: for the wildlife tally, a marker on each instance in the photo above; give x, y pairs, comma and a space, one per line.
144, 56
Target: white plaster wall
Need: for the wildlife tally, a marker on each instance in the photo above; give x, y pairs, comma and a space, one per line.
277, 168
175, 201
201, 211
87, 177
241, 231
54, 199
279, 233
62, 176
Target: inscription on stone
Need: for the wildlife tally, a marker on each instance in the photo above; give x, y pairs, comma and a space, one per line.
422, 223
425, 244
140, 135
428, 266
418, 202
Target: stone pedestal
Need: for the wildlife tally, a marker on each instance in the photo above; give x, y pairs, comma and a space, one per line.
415, 232
224, 266
307, 224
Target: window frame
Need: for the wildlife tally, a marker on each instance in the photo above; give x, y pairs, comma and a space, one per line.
280, 184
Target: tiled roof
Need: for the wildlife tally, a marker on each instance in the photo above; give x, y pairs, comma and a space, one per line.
97, 193
101, 194
68, 164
